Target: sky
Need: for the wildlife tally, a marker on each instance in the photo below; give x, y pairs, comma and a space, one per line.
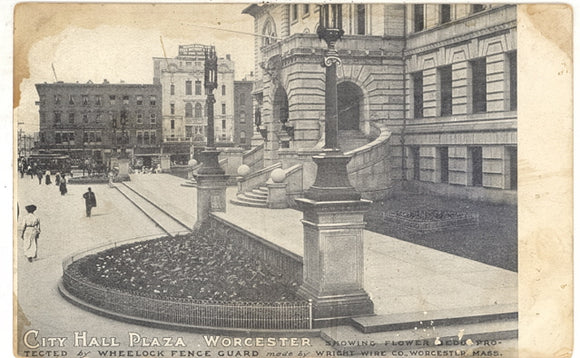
115, 42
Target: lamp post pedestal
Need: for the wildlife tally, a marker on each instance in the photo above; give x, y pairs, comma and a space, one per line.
123, 168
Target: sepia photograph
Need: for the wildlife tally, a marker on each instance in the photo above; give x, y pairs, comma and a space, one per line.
291, 179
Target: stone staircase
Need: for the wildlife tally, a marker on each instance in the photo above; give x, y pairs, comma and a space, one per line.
255, 198
351, 139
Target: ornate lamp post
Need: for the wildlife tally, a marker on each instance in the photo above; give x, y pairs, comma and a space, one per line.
211, 179
333, 212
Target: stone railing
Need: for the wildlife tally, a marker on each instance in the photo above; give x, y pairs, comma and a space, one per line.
257, 178
254, 158
369, 167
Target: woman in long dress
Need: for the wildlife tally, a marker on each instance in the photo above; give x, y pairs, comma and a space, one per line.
30, 233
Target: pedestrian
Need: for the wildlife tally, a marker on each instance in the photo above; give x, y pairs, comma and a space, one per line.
90, 201
30, 233
39, 175
47, 178
62, 185
57, 179
30, 172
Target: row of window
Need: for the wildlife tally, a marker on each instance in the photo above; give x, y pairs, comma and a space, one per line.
189, 88
477, 91
67, 137
99, 117
475, 168
444, 14
86, 100
295, 11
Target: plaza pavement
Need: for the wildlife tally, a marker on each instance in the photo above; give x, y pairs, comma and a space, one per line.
399, 276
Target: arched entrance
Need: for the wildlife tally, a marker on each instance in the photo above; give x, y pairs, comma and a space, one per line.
350, 98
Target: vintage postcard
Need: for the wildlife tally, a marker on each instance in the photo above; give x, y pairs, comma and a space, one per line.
292, 180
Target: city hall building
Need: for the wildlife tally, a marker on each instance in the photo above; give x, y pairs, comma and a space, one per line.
94, 121
427, 95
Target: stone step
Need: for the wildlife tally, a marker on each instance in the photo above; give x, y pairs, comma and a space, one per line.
242, 202
244, 197
401, 321
449, 338
256, 195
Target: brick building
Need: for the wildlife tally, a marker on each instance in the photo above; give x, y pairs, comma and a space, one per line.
87, 120
243, 124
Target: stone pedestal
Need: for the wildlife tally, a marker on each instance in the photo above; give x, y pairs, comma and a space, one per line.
211, 187
124, 168
334, 259
165, 163
277, 198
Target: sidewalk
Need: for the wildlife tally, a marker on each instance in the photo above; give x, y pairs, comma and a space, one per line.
400, 276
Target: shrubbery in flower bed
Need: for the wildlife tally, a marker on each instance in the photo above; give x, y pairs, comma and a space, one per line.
194, 266
430, 215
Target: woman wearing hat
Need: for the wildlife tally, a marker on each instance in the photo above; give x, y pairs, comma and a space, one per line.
30, 233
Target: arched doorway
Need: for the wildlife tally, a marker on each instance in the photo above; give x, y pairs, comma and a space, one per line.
350, 98
280, 106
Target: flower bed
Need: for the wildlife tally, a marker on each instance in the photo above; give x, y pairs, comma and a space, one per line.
430, 220
189, 266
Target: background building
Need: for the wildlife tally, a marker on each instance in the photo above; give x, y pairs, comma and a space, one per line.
440, 80
91, 122
184, 100
243, 110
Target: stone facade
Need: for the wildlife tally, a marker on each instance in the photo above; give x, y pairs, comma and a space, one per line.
184, 98
243, 113
442, 78
84, 120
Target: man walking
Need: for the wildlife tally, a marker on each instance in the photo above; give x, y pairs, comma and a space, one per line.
90, 201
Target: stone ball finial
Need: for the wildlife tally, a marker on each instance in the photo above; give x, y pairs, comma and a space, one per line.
243, 170
192, 162
278, 175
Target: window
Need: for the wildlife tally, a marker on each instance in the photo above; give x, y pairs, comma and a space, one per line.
173, 124
139, 100
223, 90
188, 63
445, 13
294, 12
444, 164
125, 100
146, 137
223, 108
92, 137
112, 99
153, 118
188, 110
360, 19
71, 99
172, 89
513, 80
475, 155
477, 8
85, 137
152, 100
416, 158
478, 86
445, 90
188, 88
417, 94
197, 88
223, 124
97, 118
172, 108
139, 137
242, 117
98, 136
57, 99
242, 137
139, 118
57, 138
198, 110
71, 118
57, 117
85, 118
85, 100
98, 100
418, 19
153, 138
306, 8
